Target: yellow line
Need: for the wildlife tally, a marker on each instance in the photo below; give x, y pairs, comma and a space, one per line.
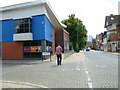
24, 83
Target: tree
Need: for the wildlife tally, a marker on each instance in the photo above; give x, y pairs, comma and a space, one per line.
77, 32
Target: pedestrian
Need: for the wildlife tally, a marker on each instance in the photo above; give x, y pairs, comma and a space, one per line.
59, 54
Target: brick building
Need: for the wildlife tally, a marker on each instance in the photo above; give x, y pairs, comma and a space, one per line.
99, 42
28, 29
112, 24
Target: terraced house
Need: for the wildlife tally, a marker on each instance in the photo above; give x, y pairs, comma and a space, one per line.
30, 28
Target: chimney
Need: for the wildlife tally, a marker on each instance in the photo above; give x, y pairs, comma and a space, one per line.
111, 14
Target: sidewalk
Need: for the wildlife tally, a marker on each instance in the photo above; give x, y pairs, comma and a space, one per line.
114, 53
27, 85
36, 60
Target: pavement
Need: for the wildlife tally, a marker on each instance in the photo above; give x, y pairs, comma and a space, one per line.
36, 60
115, 53
9, 84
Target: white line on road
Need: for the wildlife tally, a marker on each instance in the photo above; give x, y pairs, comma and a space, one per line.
88, 77
90, 85
87, 72
67, 69
77, 69
89, 81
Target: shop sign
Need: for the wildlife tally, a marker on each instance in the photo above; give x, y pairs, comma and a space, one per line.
26, 49
45, 53
32, 49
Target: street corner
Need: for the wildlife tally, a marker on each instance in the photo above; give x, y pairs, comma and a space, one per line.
12, 84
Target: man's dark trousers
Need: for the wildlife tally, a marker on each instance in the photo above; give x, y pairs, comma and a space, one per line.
59, 59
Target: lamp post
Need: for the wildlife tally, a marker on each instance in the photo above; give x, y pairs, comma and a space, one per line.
77, 45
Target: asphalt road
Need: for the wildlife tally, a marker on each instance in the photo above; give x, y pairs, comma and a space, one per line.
92, 69
103, 69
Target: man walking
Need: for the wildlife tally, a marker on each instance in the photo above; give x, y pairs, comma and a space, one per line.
59, 54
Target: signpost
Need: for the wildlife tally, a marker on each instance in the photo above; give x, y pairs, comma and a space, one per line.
45, 54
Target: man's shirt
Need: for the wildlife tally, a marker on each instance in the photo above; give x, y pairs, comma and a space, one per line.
58, 50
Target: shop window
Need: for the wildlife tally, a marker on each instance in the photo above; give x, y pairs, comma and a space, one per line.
23, 25
32, 46
48, 46
32, 49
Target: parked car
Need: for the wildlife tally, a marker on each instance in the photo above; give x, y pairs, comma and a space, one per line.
87, 49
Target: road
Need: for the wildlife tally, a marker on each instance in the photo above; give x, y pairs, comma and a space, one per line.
92, 69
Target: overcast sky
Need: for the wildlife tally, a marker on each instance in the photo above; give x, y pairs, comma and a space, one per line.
91, 12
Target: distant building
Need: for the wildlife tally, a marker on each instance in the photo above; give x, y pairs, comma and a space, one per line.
104, 41
89, 41
99, 42
112, 24
89, 38
28, 29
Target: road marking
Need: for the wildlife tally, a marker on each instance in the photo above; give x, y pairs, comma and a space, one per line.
77, 69
24, 83
67, 69
88, 77
87, 72
90, 85
89, 82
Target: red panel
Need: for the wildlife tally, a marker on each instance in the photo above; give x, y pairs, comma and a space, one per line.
12, 50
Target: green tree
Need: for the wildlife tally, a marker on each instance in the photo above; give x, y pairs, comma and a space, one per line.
77, 32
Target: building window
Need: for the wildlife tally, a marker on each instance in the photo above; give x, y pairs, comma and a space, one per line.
23, 25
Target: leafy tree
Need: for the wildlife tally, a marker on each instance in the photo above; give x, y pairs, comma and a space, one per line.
77, 32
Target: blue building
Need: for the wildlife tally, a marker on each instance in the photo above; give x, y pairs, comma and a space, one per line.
28, 29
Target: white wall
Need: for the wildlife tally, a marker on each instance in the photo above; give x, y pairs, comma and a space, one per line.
23, 37
112, 27
119, 7
23, 12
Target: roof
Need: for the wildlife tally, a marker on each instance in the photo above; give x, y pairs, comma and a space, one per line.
22, 5
53, 17
112, 19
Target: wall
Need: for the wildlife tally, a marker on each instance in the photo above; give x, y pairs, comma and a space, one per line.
119, 7
7, 30
48, 30
66, 40
113, 35
0, 31
38, 27
53, 41
23, 12
118, 30
12, 50
41, 28
59, 37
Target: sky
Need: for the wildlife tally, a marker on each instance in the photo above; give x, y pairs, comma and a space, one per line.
91, 12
